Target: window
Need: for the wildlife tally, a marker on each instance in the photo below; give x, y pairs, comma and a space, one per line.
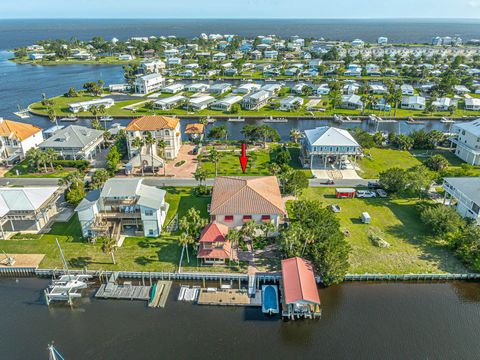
265, 217
167, 132
247, 218
148, 212
228, 218
150, 231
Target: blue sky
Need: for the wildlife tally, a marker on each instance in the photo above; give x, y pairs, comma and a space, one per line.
239, 9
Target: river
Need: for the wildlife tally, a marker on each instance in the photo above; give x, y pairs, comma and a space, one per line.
359, 321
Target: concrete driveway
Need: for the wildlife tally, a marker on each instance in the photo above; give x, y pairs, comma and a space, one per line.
185, 170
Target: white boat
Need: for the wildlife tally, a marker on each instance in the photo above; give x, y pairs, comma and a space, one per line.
447, 121
22, 113
239, 119
54, 354
73, 282
275, 120
69, 118
106, 118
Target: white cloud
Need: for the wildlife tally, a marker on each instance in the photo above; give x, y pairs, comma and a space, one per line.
474, 3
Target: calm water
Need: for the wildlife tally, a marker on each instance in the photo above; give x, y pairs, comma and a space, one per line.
25, 32
360, 321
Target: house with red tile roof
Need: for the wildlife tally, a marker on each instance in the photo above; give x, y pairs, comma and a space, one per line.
16, 139
299, 289
161, 128
240, 199
214, 248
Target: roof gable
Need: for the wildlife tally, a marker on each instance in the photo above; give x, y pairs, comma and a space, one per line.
17, 130
330, 136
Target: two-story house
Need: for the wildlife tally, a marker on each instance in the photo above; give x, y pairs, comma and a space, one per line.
256, 100
162, 128
467, 141
464, 194
123, 205
325, 146
16, 139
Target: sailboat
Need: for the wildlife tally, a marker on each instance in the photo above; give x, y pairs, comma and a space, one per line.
54, 354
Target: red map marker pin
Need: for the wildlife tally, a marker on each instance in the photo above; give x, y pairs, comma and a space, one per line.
244, 158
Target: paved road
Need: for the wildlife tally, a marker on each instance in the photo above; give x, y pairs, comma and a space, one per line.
160, 182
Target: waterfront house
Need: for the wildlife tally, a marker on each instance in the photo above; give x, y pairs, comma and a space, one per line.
352, 102
226, 103
467, 141
382, 40
350, 88
26, 209
464, 194
187, 73
171, 53
315, 63
325, 146
16, 139
74, 142
256, 100
413, 103
299, 88
461, 89
382, 105
299, 290
200, 102
125, 57
86, 105
198, 87
247, 88
149, 83
291, 103
152, 66
442, 104
353, 70
169, 102
220, 89
123, 206
407, 90
271, 88
237, 200
174, 61
162, 128
270, 54
173, 88
472, 104
323, 89
214, 247
219, 56
378, 89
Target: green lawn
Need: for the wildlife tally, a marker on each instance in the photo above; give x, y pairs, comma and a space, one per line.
412, 250
258, 162
24, 171
383, 159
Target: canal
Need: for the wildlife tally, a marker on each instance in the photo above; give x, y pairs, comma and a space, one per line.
359, 321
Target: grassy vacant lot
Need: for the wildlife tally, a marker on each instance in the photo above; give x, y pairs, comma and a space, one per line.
136, 253
412, 250
383, 159
258, 162
24, 171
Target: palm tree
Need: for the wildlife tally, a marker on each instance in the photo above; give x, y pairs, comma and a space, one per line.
137, 143
396, 98
200, 175
185, 239
204, 122
234, 237
267, 228
150, 141
109, 245
102, 110
94, 111
295, 135
34, 158
52, 116
248, 230
214, 156
51, 156
161, 145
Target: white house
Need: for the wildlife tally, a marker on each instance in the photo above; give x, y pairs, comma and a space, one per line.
324, 146
323, 89
270, 54
198, 87
256, 100
407, 90
472, 104
291, 103
173, 88
152, 66
16, 139
125, 57
382, 40
74, 142
169, 102
121, 205
226, 103
149, 83
413, 103
353, 102
467, 141
174, 61
464, 194
220, 89
200, 102
86, 105
219, 56
247, 88
442, 104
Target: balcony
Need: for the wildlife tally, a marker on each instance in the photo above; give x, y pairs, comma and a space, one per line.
120, 215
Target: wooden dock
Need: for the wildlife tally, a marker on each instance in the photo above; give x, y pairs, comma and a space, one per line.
162, 289
123, 292
229, 297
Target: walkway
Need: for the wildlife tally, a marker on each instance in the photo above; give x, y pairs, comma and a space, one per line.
185, 170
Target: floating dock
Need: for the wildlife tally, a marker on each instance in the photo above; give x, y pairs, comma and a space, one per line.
159, 294
126, 291
228, 297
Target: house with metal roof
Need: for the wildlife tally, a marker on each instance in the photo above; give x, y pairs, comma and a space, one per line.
169, 102
200, 102
226, 103
467, 141
299, 291
291, 103
26, 209
327, 146
464, 194
256, 100
413, 103
123, 206
237, 200
16, 139
74, 142
353, 102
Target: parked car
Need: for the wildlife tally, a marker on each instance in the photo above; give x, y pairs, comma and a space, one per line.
195, 150
382, 193
335, 208
329, 182
365, 194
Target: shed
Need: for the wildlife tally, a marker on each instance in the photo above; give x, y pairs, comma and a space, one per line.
366, 219
342, 193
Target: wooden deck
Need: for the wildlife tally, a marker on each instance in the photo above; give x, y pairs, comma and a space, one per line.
124, 292
229, 297
161, 294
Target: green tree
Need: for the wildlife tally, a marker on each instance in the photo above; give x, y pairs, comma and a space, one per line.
441, 220
468, 246
295, 135
50, 156
99, 178
200, 175
150, 141
218, 132
113, 159
393, 179
138, 144
52, 116
437, 162
214, 157
109, 246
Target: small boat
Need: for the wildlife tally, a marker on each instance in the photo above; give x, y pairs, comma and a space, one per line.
73, 282
54, 354
275, 120
69, 118
338, 118
211, 120
412, 121
239, 119
447, 121
22, 113
270, 299
106, 118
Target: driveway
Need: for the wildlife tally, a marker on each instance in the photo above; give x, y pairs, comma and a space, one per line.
185, 170
335, 174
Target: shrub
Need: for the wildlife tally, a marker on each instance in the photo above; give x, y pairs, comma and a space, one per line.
441, 220
180, 163
375, 236
77, 164
202, 190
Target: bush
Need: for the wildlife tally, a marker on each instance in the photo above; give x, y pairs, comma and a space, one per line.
81, 165
180, 163
441, 220
202, 190
436, 162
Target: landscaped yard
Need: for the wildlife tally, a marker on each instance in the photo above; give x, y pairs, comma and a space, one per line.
382, 159
23, 170
412, 250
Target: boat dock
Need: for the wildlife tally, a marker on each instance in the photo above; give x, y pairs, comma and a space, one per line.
228, 297
126, 291
160, 292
